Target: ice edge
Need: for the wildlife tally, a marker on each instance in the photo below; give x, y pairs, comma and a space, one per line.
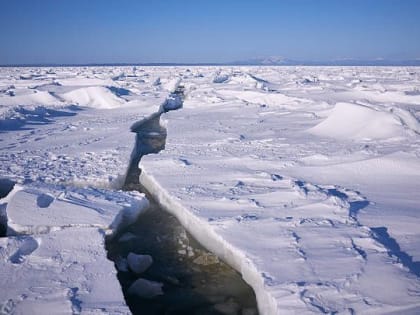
213, 242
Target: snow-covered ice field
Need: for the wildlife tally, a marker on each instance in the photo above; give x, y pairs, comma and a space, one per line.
304, 179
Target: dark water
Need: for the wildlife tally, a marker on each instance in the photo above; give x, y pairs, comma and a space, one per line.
194, 280
6, 187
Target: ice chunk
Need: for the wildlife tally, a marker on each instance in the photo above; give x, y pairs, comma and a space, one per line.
172, 84
139, 263
145, 288
121, 264
172, 102
61, 272
220, 78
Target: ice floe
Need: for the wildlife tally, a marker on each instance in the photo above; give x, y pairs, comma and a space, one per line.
304, 179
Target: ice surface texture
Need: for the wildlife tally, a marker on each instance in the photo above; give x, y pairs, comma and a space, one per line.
305, 179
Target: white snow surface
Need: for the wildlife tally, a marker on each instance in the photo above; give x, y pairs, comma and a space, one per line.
94, 96
67, 146
62, 272
54, 259
351, 121
308, 187
304, 179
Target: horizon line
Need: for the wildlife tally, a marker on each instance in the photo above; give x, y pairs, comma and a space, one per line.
252, 62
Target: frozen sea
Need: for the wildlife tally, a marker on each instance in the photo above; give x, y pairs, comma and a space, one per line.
306, 180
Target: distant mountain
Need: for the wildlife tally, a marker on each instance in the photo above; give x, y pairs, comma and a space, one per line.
281, 61
268, 61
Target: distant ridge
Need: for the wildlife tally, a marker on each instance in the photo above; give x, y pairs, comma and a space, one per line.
280, 61
267, 61
111, 64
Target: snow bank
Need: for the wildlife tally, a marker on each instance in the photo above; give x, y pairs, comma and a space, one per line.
351, 121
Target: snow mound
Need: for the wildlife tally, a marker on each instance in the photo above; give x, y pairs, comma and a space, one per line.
94, 96
351, 121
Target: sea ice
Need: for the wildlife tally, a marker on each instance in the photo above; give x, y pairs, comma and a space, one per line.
304, 179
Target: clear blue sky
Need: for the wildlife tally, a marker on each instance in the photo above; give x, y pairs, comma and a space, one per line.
101, 31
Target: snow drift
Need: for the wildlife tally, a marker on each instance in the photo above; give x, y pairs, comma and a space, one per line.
357, 122
94, 96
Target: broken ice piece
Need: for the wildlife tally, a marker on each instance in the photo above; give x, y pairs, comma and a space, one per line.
145, 288
139, 263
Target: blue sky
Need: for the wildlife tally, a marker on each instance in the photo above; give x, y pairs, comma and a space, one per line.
100, 31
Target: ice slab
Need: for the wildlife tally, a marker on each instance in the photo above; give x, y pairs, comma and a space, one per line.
41, 208
315, 224
64, 272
